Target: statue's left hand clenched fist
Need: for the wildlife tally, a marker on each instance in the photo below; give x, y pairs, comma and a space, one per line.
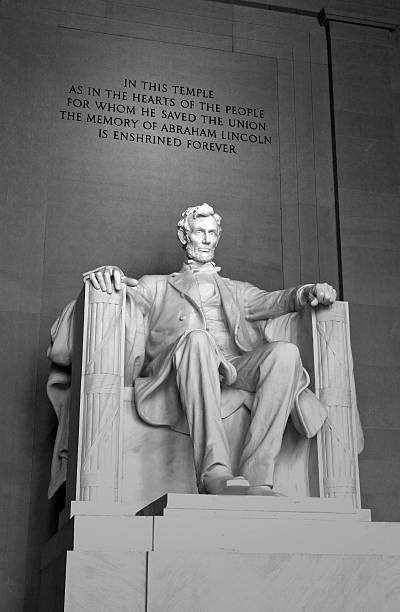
321, 293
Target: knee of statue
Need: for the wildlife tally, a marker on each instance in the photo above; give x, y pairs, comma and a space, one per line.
285, 352
197, 338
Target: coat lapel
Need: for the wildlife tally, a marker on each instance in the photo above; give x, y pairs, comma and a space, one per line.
235, 315
228, 300
185, 284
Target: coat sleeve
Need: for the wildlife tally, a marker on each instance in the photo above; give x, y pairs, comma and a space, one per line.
138, 304
261, 305
142, 296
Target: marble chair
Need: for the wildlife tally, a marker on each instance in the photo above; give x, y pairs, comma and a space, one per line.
114, 457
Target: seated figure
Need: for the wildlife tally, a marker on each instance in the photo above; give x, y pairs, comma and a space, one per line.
205, 335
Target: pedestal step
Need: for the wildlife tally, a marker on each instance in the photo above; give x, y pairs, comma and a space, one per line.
206, 553
248, 506
268, 535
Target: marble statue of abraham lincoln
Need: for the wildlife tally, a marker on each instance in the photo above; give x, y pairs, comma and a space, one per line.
205, 334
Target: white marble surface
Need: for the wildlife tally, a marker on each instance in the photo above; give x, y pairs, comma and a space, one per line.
105, 582
113, 533
199, 533
105, 533
391, 583
201, 562
258, 503
361, 515
204, 582
80, 508
95, 581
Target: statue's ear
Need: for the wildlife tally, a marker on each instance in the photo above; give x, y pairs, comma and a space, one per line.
182, 236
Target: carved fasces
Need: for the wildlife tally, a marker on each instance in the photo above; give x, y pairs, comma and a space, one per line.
334, 385
100, 446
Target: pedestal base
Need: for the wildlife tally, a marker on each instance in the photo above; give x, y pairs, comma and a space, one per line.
217, 553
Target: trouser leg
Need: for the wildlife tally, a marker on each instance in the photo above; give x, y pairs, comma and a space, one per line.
274, 373
196, 363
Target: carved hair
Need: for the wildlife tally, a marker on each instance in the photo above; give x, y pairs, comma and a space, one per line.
203, 210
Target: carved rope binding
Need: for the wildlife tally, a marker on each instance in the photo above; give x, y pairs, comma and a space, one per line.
100, 444
334, 385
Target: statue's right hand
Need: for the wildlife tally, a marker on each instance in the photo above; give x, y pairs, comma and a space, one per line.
109, 278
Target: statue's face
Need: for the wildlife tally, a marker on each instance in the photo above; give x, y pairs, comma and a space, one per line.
202, 239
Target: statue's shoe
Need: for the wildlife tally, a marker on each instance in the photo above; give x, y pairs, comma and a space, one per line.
237, 485
226, 485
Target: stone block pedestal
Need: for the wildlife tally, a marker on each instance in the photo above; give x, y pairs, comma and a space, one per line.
209, 553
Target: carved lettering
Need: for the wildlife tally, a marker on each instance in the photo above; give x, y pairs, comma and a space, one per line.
150, 112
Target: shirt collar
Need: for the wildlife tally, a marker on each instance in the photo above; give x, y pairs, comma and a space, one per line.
193, 266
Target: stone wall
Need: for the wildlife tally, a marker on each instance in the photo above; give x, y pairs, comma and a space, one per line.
365, 95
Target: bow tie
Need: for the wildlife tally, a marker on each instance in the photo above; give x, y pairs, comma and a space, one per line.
195, 267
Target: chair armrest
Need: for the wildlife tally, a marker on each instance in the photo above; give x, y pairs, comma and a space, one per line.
323, 337
99, 387
341, 437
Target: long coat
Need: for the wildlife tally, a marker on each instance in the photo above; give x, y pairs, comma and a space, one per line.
171, 306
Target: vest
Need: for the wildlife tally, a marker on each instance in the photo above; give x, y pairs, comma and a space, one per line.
214, 315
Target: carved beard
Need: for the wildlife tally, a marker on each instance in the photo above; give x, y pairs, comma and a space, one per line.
196, 254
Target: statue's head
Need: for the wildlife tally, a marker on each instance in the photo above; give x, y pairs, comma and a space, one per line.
199, 230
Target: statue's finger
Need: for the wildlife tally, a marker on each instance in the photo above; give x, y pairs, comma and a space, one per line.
107, 280
328, 297
325, 298
117, 279
131, 282
100, 278
94, 280
329, 294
